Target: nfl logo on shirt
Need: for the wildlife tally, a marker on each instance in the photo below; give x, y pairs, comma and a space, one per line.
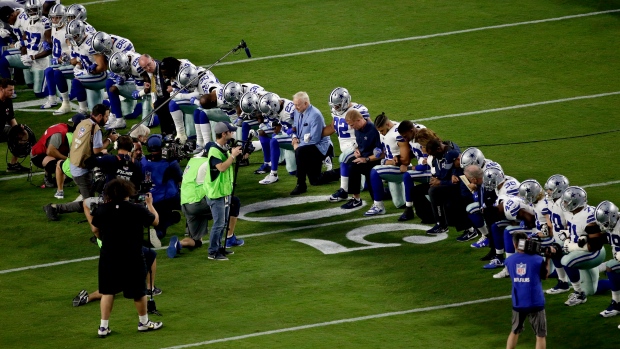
521, 269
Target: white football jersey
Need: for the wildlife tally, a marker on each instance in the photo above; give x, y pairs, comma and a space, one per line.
488, 163
541, 211
285, 116
226, 107
207, 82
558, 221
576, 223
59, 42
509, 188
35, 35
512, 206
121, 44
346, 135
613, 238
89, 29
20, 23
250, 87
84, 52
390, 142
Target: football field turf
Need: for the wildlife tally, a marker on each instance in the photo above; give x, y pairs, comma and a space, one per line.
532, 83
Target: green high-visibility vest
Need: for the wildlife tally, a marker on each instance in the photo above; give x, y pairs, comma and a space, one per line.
191, 191
222, 185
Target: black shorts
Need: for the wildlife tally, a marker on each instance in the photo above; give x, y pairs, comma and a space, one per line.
127, 276
4, 135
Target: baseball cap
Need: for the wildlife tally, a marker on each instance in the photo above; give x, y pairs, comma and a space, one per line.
222, 127
154, 143
77, 118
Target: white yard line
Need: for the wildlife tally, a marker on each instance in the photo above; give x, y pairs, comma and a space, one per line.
341, 321
97, 2
421, 37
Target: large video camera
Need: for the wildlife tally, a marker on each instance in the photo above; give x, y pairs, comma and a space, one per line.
534, 246
173, 150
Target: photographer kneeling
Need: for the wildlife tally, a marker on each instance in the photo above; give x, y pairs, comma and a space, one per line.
119, 225
526, 269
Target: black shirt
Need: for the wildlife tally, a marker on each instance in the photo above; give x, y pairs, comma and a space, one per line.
6, 111
367, 139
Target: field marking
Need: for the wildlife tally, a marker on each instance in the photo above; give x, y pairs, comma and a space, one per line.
97, 2
421, 37
341, 321
518, 106
600, 184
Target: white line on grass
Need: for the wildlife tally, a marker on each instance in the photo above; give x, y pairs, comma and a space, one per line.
600, 184
97, 2
20, 176
421, 37
342, 321
518, 106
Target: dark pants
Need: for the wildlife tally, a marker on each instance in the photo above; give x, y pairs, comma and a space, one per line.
165, 119
355, 176
447, 199
309, 161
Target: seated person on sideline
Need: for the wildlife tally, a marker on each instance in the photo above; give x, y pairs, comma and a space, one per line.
368, 139
309, 144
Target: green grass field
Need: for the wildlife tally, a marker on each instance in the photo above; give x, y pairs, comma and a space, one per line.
536, 89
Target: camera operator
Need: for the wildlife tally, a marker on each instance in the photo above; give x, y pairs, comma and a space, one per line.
7, 120
528, 299
122, 267
165, 175
118, 166
87, 141
219, 185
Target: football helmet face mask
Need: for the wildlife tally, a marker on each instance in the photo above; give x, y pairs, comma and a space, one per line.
339, 100
102, 43
33, 10
119, 63
249, 102
57, 16
269, 104
76, 32
529, 191
232, 93
573, 198
556, 185
188, 74
76, 11
492, 178
472, 156
606, 215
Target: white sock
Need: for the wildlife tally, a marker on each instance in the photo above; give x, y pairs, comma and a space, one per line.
577, 286
269, 163
274, 173
205, 129
379, 204
177, 118
561, 274
52, 98
508, 254
65, 97
344, 183
499, 252
409, 204
143, 318
484, 230
615, 295
83, 105
199, 140
104, 323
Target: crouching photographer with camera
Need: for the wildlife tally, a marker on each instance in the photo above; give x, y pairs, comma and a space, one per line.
527, 268
119, 224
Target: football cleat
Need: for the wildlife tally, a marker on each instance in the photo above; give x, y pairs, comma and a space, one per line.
407, 215
375, 211
48, 104
560, 287
269, 179
502, 274
576, 298
64, 109
467, 235
264, 168
494, 263
339, 195
437, 229
482, 242
612, 310
352, 203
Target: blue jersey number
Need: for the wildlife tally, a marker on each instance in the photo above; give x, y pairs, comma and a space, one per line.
341, 127
556, 221
388, 151
57, 48
33, 39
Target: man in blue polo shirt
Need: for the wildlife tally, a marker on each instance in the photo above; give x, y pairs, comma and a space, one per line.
528, 299
309, 144
368, 139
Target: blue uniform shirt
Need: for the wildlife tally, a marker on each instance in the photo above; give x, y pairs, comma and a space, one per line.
311, 123
525, 273
367, 139
444, 166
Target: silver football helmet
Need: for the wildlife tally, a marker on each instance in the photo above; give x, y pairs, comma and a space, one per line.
339, 100
119, 63
232, 92
76, 32
57, 15
606, 215
556, 185
249, 102
573, 198
33, 8
187, 75
492, 178
102, 43
269, 104
529, 190
76, 11
472, 156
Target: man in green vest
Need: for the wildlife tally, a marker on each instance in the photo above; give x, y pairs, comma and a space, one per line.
218, 185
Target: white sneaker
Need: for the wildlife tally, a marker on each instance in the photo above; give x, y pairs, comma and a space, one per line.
375, 211
49, 104
576, 298
64, 109
149, 326
269, 179
153, 238
59, 195
502, 274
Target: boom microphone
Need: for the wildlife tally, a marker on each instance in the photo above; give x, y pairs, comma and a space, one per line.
245, 47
